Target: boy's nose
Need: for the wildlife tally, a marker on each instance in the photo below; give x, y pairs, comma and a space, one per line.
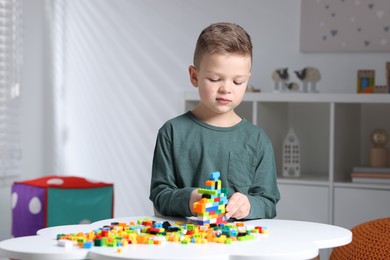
226, 87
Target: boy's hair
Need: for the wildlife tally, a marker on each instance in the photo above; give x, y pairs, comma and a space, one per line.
222, 38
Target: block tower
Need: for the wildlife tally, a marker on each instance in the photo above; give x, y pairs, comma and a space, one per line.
211, 208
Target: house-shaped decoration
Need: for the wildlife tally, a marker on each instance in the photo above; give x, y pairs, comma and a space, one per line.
291, 155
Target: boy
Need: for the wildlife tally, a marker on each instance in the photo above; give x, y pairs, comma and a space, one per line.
212, 137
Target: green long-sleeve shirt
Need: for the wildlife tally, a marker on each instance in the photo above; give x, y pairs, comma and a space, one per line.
187, 150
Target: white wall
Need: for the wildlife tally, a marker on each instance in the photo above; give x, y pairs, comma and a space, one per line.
125, 68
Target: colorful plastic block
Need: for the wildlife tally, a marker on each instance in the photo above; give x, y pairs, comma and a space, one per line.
182, 233
212, 207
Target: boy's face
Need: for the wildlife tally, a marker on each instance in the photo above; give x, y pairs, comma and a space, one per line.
221, 80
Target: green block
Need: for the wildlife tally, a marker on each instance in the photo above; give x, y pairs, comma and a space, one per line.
244, 238
190, 227
97, 242
208, 192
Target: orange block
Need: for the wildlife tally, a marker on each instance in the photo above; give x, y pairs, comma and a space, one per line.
210, 183
210, 237
200, 206
142, 239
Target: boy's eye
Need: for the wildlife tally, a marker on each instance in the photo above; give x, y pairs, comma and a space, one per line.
213, 80
238, 83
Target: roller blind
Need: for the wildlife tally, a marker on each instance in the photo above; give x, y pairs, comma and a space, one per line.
10, 67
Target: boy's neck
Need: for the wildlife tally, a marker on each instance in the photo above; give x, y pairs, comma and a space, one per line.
220, 120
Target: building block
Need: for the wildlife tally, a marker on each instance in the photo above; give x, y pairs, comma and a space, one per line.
58, 200
120, 235
212, 207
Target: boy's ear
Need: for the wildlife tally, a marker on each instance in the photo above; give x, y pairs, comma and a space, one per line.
193, 76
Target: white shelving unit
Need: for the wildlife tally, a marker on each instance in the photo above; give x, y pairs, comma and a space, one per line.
334, 134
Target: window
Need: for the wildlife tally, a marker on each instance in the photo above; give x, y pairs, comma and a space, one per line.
10, 66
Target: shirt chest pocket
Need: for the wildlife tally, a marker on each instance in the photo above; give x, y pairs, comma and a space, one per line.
241, 169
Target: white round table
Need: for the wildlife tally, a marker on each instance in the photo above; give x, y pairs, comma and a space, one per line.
52, 232
286, 239
39, 248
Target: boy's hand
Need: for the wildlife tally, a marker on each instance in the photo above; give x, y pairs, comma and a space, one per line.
238, 206
195, 196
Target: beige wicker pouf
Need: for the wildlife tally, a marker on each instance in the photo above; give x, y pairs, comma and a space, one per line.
370, 240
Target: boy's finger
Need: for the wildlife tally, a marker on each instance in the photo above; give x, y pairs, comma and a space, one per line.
232, 202
232, 206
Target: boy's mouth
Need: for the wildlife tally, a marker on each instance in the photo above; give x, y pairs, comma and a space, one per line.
223, 100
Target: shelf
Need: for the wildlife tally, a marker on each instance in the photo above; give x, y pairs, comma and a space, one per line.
304, 181
334, 132
362, 185
307, 97
333, 128
318, 97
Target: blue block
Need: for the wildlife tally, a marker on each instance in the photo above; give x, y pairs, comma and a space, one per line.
214, 176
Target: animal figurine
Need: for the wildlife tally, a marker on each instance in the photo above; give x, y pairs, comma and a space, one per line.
309, 77
281, 77
292, 86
